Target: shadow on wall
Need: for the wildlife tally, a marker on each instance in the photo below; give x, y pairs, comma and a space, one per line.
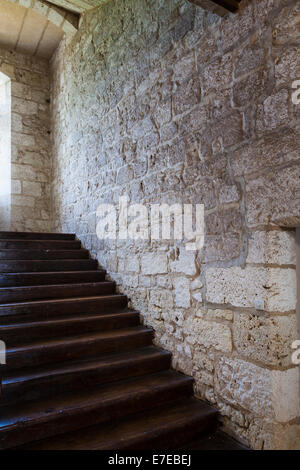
5, 151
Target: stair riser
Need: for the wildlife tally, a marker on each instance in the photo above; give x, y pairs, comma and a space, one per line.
53, 385
55, 292
43, 254
80, 351
42, 311
17, 334
47, 265
38, 279
96, 413
169, 438
36, 236
39, 245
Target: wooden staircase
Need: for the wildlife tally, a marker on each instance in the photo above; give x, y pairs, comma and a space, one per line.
81, 371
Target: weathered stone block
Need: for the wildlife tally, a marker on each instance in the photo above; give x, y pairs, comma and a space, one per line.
182, 292
186, 263
273, 196
153, 263
268, 393
273, 288
276, 110
265, 339
208, 334
272, 248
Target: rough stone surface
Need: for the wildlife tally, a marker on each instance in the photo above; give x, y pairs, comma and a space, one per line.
209, 334
270, 289
265, 339
168, 103
272, 248
30, 139
259, 390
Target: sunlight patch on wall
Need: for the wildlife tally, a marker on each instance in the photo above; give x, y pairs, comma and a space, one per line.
5, 151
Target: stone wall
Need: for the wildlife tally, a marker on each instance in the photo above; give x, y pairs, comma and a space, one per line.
164, 102
30, 141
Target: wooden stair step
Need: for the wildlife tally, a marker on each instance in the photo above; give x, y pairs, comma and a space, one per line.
89, 289
17, 333
76, 347
36, 236
163, 428
31, 421
48, 309
32, 384
19, 266
40, 278
16, 244
215, 440
30, 254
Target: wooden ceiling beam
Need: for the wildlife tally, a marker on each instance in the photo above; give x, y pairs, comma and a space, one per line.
221, 6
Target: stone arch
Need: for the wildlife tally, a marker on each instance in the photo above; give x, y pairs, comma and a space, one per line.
63, 19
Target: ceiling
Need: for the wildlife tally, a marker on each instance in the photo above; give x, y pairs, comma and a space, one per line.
26, 31
78, 6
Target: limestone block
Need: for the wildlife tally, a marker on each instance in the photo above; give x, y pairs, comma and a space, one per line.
265, 339
209, 334
186, 263
267, 393
182, 292
273, 196
276, 109
153, 263
272, 248
273, 289
16, 187
31, 188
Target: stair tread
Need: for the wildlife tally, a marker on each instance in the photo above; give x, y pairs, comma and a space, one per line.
68, 341
106, 360
69, 319
46, 265
25, 332
18, 244
14, 254
41, 273
38, 294
41, 278
215, 441
45, 410
46, 286
133, 430
44, 302
36, 236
